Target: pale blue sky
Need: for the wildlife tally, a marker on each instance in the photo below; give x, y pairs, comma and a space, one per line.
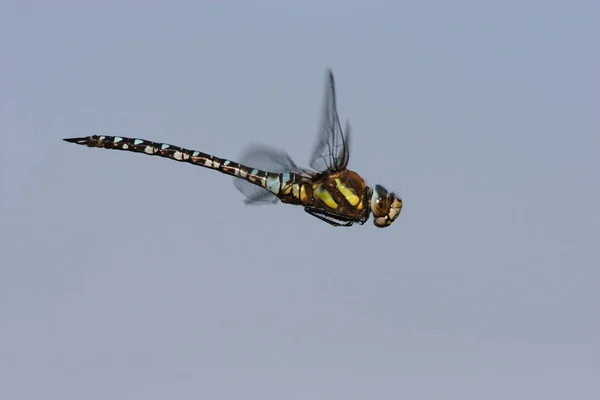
131, 277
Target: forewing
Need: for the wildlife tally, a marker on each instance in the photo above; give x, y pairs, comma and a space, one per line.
331, 151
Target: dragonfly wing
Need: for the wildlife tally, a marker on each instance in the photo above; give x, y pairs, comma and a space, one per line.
332, 148
266, 158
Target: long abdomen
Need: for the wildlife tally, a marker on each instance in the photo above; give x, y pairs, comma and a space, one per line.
270, 181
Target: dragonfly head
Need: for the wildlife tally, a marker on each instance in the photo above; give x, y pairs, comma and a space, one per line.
385, 206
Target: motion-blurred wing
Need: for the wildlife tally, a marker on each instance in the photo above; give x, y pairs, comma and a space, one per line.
332, 149
266, 158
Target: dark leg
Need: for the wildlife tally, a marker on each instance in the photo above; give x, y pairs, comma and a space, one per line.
330, 218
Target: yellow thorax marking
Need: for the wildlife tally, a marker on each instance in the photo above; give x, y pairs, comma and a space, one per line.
303, 195
287, 189
322, 194
352, 198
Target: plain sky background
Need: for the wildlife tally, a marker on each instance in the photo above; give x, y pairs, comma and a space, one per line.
131, 277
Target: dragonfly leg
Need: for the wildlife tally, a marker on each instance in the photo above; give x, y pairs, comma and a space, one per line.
330, 218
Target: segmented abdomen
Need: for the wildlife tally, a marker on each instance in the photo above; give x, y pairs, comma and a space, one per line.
273, 182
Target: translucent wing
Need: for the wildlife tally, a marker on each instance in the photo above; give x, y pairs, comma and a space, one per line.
332, 149
266, 158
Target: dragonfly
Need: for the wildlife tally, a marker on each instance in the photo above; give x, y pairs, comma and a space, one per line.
327, 190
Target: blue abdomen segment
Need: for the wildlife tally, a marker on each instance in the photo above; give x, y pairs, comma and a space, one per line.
273, 184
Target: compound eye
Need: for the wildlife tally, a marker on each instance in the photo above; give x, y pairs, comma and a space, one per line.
380, 202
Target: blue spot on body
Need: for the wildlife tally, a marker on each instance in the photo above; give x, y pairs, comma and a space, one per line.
138, 141
164, 146
273, 184
254, 172
118, 139
226, 162
286, 177
195, 154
